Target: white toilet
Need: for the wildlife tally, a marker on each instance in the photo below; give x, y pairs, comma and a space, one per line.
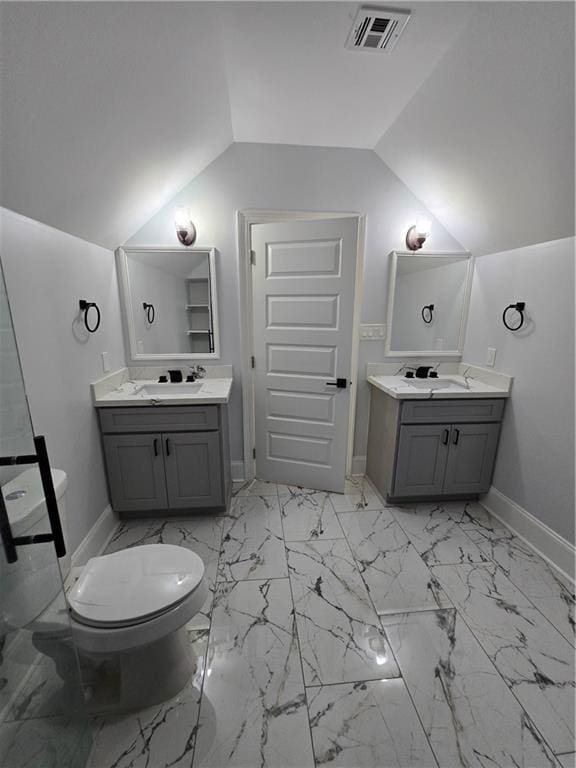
128, 610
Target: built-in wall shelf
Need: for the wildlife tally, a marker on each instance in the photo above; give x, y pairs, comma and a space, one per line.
199, 312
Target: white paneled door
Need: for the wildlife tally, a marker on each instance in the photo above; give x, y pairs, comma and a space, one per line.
303, 285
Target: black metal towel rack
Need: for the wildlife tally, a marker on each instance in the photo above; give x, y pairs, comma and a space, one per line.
150, 312
519, 306
427, 313
56, 535
85, 306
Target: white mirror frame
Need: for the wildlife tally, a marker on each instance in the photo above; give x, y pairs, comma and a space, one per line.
429, 353
127, 305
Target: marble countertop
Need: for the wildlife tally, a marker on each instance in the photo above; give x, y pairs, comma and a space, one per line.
457, 387
213, 390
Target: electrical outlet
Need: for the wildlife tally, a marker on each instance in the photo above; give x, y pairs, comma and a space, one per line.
140, 347
491, 357
372, 332
105, 362
439, 343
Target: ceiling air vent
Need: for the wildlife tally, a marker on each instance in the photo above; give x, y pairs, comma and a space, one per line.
376, 29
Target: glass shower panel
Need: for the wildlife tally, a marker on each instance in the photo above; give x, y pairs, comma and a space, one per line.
43, 721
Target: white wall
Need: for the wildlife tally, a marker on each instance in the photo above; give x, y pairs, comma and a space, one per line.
108, 109
487, 143
276, 177
46, 273
535, 463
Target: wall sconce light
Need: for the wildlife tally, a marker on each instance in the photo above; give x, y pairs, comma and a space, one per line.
417, 234
185, 228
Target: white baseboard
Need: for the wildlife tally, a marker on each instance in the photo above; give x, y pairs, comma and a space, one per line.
358, 465
237, 470
97, 538
542, 539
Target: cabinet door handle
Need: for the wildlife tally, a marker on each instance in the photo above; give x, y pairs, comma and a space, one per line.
445, 436
456, 436
167, 446
155, 446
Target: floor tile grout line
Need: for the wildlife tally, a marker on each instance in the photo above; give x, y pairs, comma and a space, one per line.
201, 692
407, 533
501, 676
401, 675
530, 600
458, 613
513, 537
318, 538
297, 631
354, 682
413, 548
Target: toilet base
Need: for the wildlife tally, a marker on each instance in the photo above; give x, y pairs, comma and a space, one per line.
124, 681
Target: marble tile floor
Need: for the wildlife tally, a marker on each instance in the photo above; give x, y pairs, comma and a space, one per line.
343, 632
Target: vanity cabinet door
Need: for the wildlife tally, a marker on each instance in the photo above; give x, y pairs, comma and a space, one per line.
193, 469
471, 458
421, 460
135, 465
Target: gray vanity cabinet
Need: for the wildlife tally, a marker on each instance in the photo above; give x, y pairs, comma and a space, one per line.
193, 475
421, 462
135, 467
432, 449
471, 458
166, 459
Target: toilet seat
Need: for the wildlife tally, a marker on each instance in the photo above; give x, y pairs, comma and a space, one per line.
134, 585
165, 583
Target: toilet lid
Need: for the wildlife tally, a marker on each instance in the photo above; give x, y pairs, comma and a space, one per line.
134, 584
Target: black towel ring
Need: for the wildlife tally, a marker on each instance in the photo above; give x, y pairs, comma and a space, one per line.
85, 306
150, 312
519, 307
427, 316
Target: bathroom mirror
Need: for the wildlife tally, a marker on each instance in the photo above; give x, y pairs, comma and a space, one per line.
428, 304
169, 303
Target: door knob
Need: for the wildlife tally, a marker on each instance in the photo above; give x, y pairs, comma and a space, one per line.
339, 383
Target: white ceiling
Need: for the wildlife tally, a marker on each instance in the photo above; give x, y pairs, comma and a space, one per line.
292, 81
487, 144
108, 109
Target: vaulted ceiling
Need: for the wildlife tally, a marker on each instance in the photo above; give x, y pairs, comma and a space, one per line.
109, 109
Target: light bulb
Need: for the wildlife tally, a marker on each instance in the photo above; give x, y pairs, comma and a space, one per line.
185, 229
182, 218
423, 227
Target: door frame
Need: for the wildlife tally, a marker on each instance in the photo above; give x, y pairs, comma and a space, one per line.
245, 220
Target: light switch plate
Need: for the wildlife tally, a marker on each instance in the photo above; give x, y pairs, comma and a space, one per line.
372, 332
491, 357
105, 362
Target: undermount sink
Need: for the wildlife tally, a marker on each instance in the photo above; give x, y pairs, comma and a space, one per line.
433, 383
186, 388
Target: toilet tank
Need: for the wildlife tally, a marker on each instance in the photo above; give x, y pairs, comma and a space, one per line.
31, 583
